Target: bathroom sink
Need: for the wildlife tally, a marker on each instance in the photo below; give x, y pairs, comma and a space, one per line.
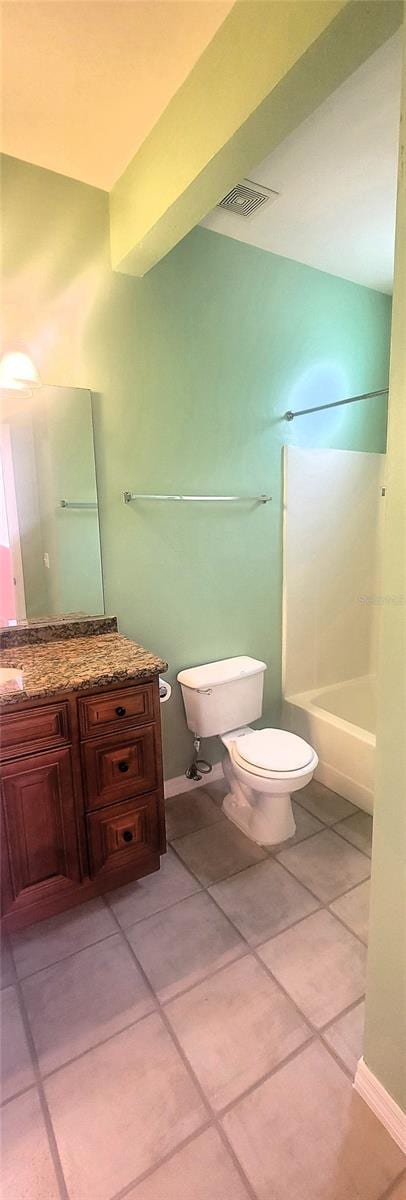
11, 676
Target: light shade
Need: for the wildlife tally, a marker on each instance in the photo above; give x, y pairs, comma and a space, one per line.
18, 373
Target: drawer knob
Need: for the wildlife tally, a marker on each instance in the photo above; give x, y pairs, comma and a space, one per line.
123, 766
127, 835
120, 711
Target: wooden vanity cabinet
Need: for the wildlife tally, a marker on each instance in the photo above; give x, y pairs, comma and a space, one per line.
82, 806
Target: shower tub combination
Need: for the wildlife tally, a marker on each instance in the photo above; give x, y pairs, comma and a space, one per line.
339, 722
333, 522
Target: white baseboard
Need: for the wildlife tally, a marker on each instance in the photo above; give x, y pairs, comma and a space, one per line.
173, 787
381, 1103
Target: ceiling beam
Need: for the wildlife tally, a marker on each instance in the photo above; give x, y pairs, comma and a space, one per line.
268, 67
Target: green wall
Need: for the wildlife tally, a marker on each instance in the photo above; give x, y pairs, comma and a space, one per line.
192, 369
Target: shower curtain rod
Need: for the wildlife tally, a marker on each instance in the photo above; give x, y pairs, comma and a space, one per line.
302, 412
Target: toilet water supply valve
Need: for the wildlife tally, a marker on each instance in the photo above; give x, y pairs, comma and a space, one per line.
198, 766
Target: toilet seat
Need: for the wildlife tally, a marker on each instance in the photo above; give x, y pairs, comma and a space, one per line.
272, 754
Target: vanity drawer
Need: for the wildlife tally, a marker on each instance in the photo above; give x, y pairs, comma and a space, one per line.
112, 710
124, 835
119, 766
40, 728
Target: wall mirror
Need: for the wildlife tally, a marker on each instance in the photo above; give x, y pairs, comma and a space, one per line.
49, 537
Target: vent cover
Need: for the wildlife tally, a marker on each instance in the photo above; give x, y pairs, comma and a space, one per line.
246, 198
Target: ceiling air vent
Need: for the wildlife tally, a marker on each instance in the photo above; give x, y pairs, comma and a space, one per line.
246, 198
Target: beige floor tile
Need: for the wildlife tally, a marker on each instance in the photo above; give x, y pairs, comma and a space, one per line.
189, 811
217, 790
304, 1134
217, 852
323, 803
234, 1028
16, 1067
346, 1037
55, 938
78, 1002
321, 965
398, 1192
203, 1170
353, 908
184, 943
121, 1108
7, 969
263, 900
27, 1167
306, 825
358, 830
326, 864
135, 901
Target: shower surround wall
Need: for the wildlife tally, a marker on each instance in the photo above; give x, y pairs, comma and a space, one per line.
332, 540
191, 369
333, 517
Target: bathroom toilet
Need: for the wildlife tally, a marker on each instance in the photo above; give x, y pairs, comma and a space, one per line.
262, 767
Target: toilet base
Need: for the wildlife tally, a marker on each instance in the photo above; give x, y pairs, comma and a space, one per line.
267, 821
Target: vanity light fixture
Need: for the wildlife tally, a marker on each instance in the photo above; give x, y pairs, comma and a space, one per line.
18, 373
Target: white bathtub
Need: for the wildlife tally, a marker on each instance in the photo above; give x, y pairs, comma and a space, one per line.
339, 721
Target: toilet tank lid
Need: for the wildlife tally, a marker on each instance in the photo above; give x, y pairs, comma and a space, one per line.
225, 671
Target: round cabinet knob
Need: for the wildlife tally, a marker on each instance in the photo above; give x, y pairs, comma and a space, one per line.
123, 767
120, 711
127, 835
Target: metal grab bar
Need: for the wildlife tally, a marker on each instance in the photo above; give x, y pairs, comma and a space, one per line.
302, 412
129, 496
78, 503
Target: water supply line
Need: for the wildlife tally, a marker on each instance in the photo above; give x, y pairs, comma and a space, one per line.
198, 766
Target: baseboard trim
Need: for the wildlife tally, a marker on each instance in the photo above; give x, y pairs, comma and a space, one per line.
174, 787
381, 1103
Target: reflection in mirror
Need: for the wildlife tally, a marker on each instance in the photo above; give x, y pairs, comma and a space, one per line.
49, 535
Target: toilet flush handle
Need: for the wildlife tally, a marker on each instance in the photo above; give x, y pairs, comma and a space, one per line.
205, 691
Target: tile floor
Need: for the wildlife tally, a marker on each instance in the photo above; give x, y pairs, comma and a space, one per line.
194, 1035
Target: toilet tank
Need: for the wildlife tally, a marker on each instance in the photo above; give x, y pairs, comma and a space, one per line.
222, 696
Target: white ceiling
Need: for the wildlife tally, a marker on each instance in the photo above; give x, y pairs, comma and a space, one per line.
84, 81
336, 175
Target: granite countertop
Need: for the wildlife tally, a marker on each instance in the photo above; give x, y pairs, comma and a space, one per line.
55, 629
76, 663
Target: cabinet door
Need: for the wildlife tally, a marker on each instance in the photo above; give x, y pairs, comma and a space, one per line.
40, 842
125, 837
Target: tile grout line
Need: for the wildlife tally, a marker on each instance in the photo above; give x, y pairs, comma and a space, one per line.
321, 907
161, 1163
160, 1007
273, 857
45, 1075
323, 903
49, 1129
344, 1013
333, 826
224, 1111
314, 1030
320, 903
157, 911
192, 1076
270, 856
17, 1095
345, 925
246, 950
334, 829
389, 1191
65, 957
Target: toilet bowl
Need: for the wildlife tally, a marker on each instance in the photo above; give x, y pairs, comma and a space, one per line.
262, 768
